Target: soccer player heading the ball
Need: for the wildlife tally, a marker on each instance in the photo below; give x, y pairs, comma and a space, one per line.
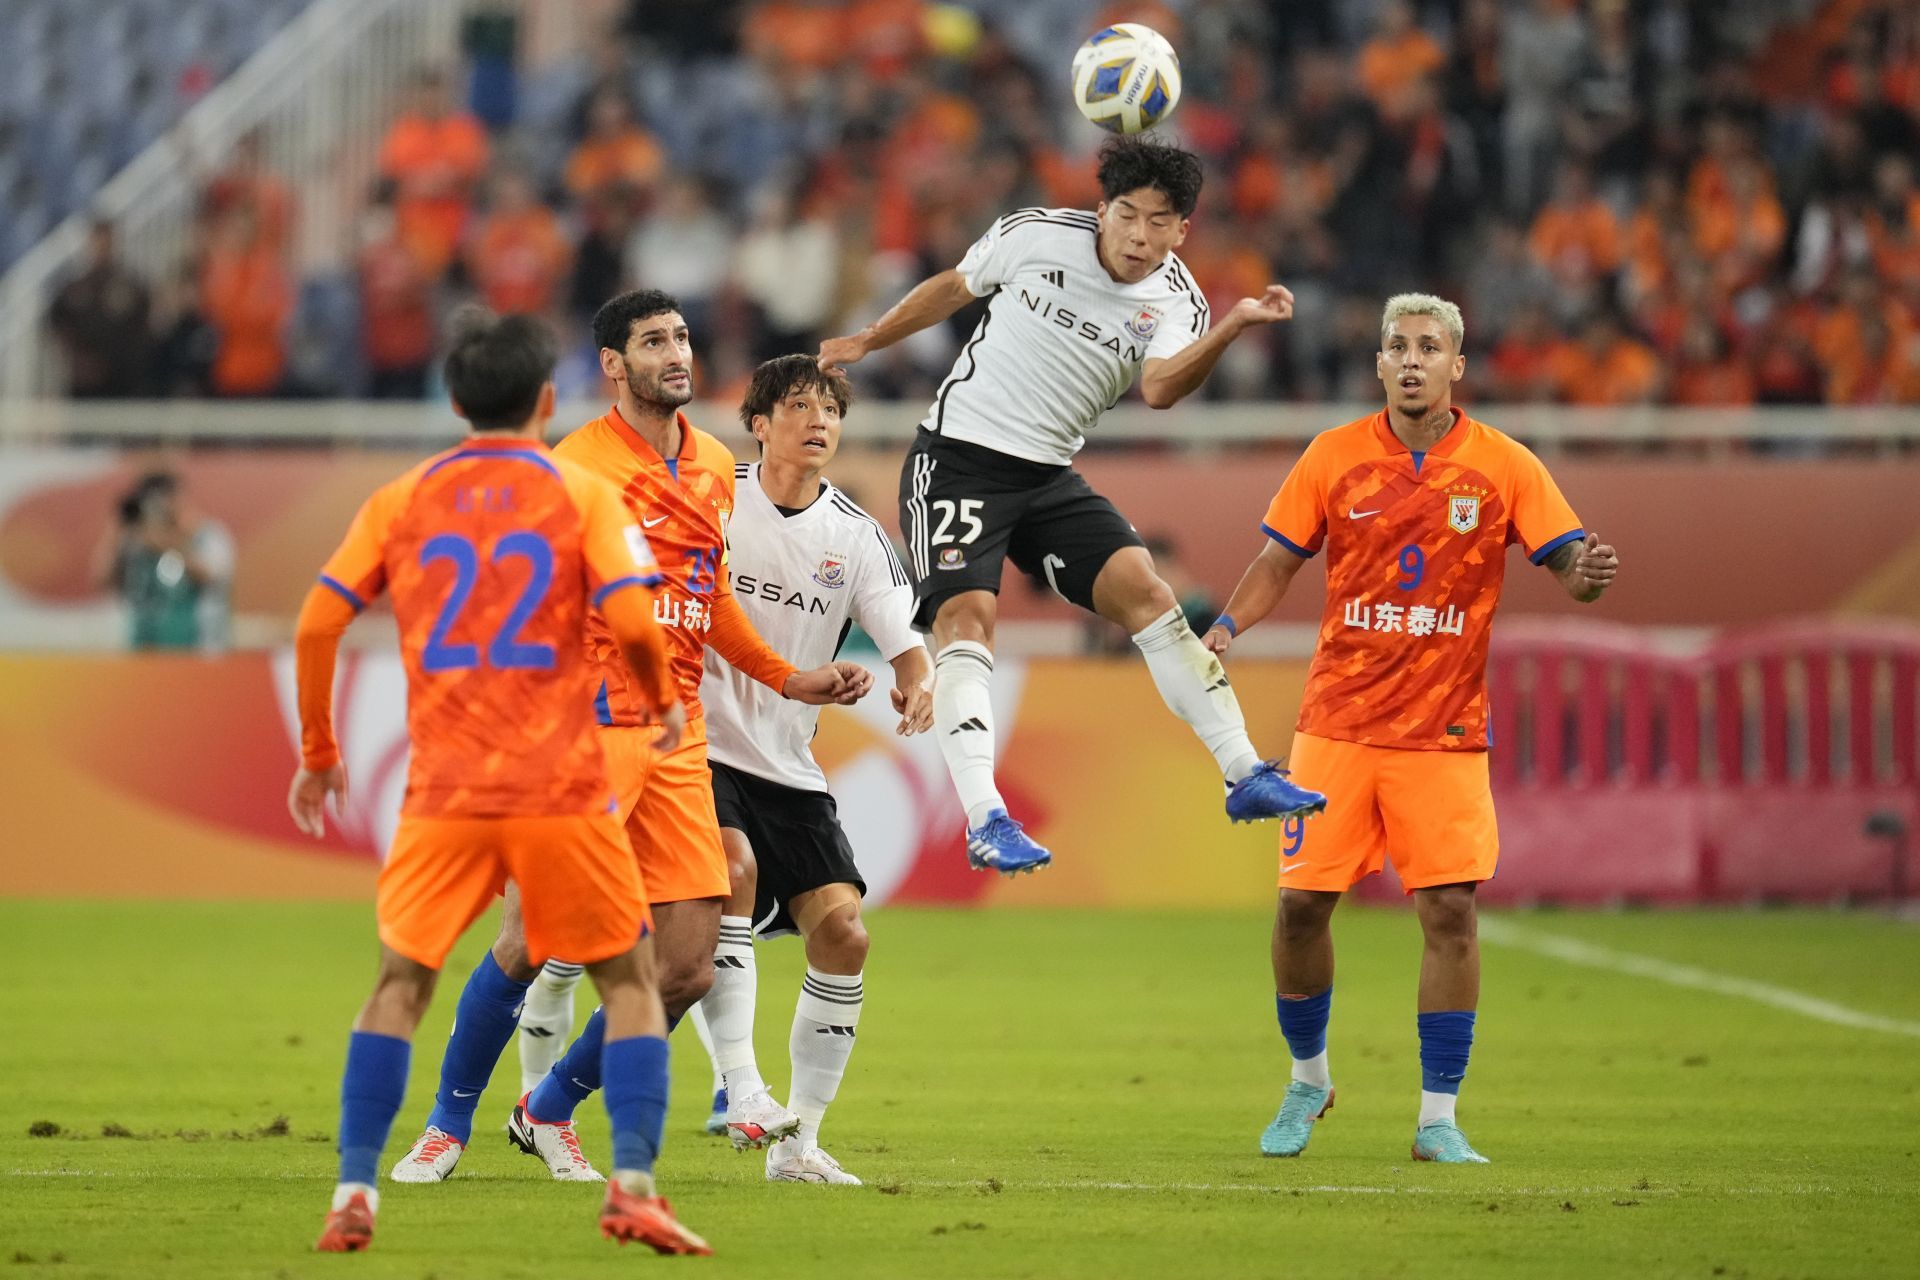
1416, 506
1079, 305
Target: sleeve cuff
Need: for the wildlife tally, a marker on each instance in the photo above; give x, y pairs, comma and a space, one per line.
345, 592
1540, 556
1285, 541
635, 580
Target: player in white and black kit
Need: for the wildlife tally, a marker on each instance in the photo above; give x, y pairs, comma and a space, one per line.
806, 565
1080, 304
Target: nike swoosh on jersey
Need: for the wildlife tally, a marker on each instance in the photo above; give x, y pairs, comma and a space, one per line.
648, 524
1292, 866
1362, 515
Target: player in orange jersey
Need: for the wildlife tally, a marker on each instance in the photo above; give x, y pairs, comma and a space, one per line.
494, 551
677, 482
1415, 506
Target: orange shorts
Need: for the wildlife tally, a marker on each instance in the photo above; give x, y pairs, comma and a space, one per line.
1430, 811
580, 890
667, 801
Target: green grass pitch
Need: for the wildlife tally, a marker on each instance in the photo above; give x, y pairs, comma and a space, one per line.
1035, 1094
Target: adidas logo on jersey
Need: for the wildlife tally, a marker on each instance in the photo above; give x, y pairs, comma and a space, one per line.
1058, 279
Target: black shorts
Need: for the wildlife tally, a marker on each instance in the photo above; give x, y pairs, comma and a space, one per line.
965, 509
796, 839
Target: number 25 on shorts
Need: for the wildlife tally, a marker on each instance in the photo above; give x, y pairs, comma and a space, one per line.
968, 512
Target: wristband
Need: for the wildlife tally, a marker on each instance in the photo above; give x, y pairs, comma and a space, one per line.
1226, 620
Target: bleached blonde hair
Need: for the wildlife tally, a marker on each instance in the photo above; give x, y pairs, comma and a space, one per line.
1424, 304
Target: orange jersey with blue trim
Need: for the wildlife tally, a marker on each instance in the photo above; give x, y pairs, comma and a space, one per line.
683, 504
493, 553
1416, 552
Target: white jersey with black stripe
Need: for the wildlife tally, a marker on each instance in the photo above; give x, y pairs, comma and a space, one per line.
1061, 341
803, 580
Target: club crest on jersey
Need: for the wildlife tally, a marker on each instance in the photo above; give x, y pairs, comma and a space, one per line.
1463, 512
952, 558
832, 571
1144, 322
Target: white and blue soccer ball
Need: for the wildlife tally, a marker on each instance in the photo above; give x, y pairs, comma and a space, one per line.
1126, 78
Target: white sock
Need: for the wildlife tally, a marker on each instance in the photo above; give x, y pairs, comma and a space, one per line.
822, 1041
730, 1007
1194, 686
1436, 1106
698, 1017
1313, 1070
546, 1020
345, 1191
963, 721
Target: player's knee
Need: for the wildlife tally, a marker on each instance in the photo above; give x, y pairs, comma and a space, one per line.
839, 944
743, 872
684, 982
968, 616
1447, 919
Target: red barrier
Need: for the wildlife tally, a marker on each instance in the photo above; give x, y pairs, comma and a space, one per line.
1814, 734
1596, 765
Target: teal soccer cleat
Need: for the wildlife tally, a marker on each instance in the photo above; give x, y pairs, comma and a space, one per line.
716, 1121
1443, 1143
1288, 1134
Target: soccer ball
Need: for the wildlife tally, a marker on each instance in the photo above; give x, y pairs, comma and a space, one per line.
1126, 78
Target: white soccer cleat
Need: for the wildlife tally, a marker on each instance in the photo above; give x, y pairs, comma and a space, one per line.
788, 1162
756, 1119
554, 1143
430, 1159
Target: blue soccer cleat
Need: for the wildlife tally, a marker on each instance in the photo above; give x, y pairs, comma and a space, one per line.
1443, 1143
1266, 793
1288, 1134
999, 844
716, 1122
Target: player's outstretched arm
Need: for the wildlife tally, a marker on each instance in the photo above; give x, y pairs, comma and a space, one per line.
324, 617
1168, 380
929, 302
913, 691
1586, 569
1261, 588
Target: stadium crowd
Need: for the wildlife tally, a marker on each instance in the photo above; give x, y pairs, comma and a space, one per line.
1697, 202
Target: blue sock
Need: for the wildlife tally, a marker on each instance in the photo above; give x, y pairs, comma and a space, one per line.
1445, 1041
1303, 1021
370, 1094
576, 1075
636, 1075
483, 1022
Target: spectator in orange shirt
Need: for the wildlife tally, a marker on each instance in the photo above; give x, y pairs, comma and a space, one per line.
437, 155
1741, 228
518, 257
1708, 372
1605, 367
796, 38
1893, 220
616, 153
246, 180
1398, 57
1575, 236
248, 298
1860, 342
396, 306
1521, 362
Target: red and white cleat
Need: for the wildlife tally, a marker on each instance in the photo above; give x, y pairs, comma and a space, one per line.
556, 1144
650, 1220
430, 1159
349, 1228
756, 1119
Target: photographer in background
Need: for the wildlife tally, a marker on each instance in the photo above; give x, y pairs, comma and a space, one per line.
173, 569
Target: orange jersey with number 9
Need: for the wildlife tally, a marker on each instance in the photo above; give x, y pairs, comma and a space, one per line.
493, 552
1416, 552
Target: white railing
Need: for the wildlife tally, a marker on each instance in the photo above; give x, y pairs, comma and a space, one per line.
349, 422
316, 93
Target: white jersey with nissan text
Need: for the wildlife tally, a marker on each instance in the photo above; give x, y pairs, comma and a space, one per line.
1061, 341
803, 580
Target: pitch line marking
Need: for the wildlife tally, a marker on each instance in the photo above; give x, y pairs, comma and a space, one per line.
1593, 956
